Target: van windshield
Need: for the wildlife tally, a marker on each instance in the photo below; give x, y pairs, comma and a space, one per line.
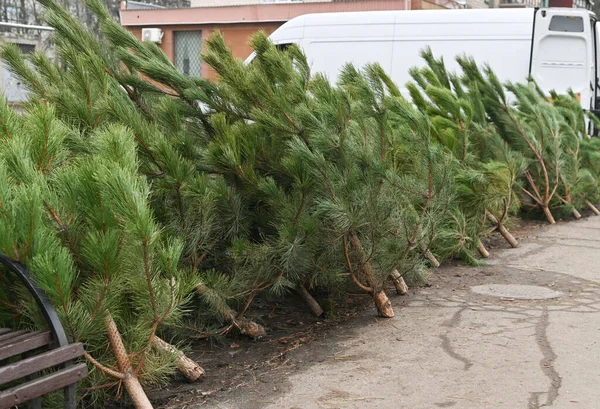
282, 46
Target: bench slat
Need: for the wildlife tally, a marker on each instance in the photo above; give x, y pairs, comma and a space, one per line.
37, 363
24, 344
10, 335
19, 338
4, 330
41, 386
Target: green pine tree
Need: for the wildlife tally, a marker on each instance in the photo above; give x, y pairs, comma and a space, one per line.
530, 126
80, 220
484, 184
97, 85
578, 185
148, 202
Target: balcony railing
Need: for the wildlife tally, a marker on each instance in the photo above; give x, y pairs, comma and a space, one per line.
520, 3
584, 4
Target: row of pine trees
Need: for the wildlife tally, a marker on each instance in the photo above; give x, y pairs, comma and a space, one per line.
152, 206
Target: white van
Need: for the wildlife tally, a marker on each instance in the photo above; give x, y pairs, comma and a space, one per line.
556, 46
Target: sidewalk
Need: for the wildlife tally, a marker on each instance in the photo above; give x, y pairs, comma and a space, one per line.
453, 345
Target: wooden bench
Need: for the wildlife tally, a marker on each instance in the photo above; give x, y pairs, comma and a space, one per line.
36, 363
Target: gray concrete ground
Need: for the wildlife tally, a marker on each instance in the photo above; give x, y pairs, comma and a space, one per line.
452, 347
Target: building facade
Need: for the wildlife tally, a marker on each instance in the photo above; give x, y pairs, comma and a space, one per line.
20, 24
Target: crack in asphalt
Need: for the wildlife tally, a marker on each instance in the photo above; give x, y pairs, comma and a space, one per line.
546, 364
447, 344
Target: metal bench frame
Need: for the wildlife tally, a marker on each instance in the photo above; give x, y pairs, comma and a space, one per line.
51, 317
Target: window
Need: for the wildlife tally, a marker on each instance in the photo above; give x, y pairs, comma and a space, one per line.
26, 48
583, 4
12, 14
188, 46
283, 46
525, 3
12, 88
566, 24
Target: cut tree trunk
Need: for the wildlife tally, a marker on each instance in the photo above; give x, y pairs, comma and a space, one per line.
313, 305
132, 384
432, 259
382, 302
576, 214
245, 326
503, 230
189, 368
398, 280
507, 236
482, 250
592, 207
548, 215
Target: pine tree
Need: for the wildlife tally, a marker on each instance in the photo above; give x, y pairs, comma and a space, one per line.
578, 183
151, 203
349, 166
484, 185
96, 88
283, 148
532, 127
78, 216
420, 170
590, 162
249, 148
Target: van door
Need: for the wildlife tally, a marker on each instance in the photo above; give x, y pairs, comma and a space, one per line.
562, 55
592, 129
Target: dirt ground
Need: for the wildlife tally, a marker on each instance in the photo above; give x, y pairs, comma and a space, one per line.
249, 374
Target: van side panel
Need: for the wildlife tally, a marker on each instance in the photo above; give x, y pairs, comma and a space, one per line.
359, 38
504, 43
359, 53
395, 40
508, 57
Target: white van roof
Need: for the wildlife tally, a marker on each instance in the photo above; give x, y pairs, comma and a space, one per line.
419, 16
514, 15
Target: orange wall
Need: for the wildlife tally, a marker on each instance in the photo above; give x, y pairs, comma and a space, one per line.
236, 37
